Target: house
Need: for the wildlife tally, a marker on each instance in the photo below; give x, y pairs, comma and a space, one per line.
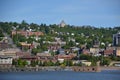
94, 50
47, 58
26, 45
43, 54
14, 32
118, 52
74, 49
96, 43
35, 44
57, 39
76, 61
108, 52
54, 47
3, 45
5, 61
61, 51
86, 51
9, 52
28, 58
56, 42
71, 39
62, 57
62, 43
85, 63
21, 54
72, 34
25, 56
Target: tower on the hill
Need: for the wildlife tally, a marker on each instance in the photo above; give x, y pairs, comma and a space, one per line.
62, 24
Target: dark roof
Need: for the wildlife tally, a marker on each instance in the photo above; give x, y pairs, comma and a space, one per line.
4, 57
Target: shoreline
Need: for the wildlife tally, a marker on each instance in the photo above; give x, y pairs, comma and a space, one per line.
109, 68
58, 68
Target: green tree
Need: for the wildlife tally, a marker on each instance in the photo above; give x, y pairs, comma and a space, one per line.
14, 62
106, 61
57, 63
71, 43
19, 38
34, 63
20, 63
25, 63
24, 25
50, 63
35, 51
67, 63
44, 63
1, 34
85, 57
40, 63
30, 40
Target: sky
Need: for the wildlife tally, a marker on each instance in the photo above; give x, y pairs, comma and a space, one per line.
98, 13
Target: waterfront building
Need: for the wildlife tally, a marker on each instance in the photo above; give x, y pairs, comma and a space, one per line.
116, 39
29, 58
85, 62
5, 60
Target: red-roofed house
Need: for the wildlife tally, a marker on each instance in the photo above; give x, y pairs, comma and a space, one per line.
108, 52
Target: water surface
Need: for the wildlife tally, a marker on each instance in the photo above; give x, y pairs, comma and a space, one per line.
61, 75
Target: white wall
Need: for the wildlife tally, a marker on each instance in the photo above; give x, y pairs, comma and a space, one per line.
5, 60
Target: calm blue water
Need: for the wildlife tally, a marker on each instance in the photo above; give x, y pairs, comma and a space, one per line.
61, 75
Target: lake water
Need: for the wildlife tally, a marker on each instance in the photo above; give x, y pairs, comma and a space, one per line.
61, 75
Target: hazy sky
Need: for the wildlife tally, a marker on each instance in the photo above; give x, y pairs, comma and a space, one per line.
105, 13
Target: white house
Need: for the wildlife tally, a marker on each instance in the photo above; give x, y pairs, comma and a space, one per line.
5, 60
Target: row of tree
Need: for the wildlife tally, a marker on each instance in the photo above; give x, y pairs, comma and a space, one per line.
103, 61
33, 63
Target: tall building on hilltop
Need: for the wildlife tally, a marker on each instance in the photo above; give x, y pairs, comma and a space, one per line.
62, 24
116, 39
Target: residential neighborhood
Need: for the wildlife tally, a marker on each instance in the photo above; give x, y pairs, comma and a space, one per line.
57, 45
59, 39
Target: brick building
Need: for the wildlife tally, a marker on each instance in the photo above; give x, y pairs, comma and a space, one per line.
27, 33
